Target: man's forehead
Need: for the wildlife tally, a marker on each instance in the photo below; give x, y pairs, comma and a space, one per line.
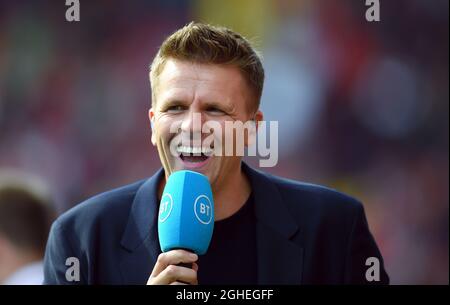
176, 71
180, 78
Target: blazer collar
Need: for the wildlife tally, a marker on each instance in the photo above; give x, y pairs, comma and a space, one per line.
269, 208
279, 257
143, 215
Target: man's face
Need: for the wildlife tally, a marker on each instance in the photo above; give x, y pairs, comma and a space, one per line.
187, 93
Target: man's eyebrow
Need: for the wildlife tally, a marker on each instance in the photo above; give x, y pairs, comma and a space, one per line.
171, 102
221, 106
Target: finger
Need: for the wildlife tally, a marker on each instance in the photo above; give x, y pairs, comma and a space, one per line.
178, 283
176, 273
173, 257
195, 267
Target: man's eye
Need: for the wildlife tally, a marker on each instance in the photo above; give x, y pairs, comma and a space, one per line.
215, 111
175, 108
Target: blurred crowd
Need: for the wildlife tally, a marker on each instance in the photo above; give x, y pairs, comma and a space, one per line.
362, 106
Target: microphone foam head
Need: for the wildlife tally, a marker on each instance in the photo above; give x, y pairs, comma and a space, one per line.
186, 213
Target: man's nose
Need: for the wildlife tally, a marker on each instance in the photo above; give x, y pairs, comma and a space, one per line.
191, 128
192, 122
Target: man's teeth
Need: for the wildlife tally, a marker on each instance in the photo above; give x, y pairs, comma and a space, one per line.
194, 150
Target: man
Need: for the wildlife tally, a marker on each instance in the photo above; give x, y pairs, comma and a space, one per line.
25, 217
268, 230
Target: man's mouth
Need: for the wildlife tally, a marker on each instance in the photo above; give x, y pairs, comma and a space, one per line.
194, 157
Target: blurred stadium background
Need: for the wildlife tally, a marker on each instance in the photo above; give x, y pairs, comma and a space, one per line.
363, 107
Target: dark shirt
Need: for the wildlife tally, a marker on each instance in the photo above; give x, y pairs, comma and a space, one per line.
231, 256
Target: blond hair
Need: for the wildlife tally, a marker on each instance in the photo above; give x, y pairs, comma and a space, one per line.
207, 44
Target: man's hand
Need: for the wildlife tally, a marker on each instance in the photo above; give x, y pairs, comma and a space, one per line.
167, 272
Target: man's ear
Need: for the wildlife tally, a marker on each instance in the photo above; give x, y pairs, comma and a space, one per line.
151, 118
259, 116
251, 139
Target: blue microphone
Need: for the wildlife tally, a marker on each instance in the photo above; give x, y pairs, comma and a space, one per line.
186, 213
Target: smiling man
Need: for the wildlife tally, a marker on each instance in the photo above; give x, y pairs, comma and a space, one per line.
268, 230
187, 91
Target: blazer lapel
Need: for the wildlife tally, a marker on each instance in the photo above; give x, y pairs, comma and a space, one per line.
140, 238
279, 258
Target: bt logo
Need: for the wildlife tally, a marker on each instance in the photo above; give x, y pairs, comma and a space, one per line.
165, 207
203, 209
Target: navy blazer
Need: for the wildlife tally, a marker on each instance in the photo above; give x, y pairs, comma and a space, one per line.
306, 234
